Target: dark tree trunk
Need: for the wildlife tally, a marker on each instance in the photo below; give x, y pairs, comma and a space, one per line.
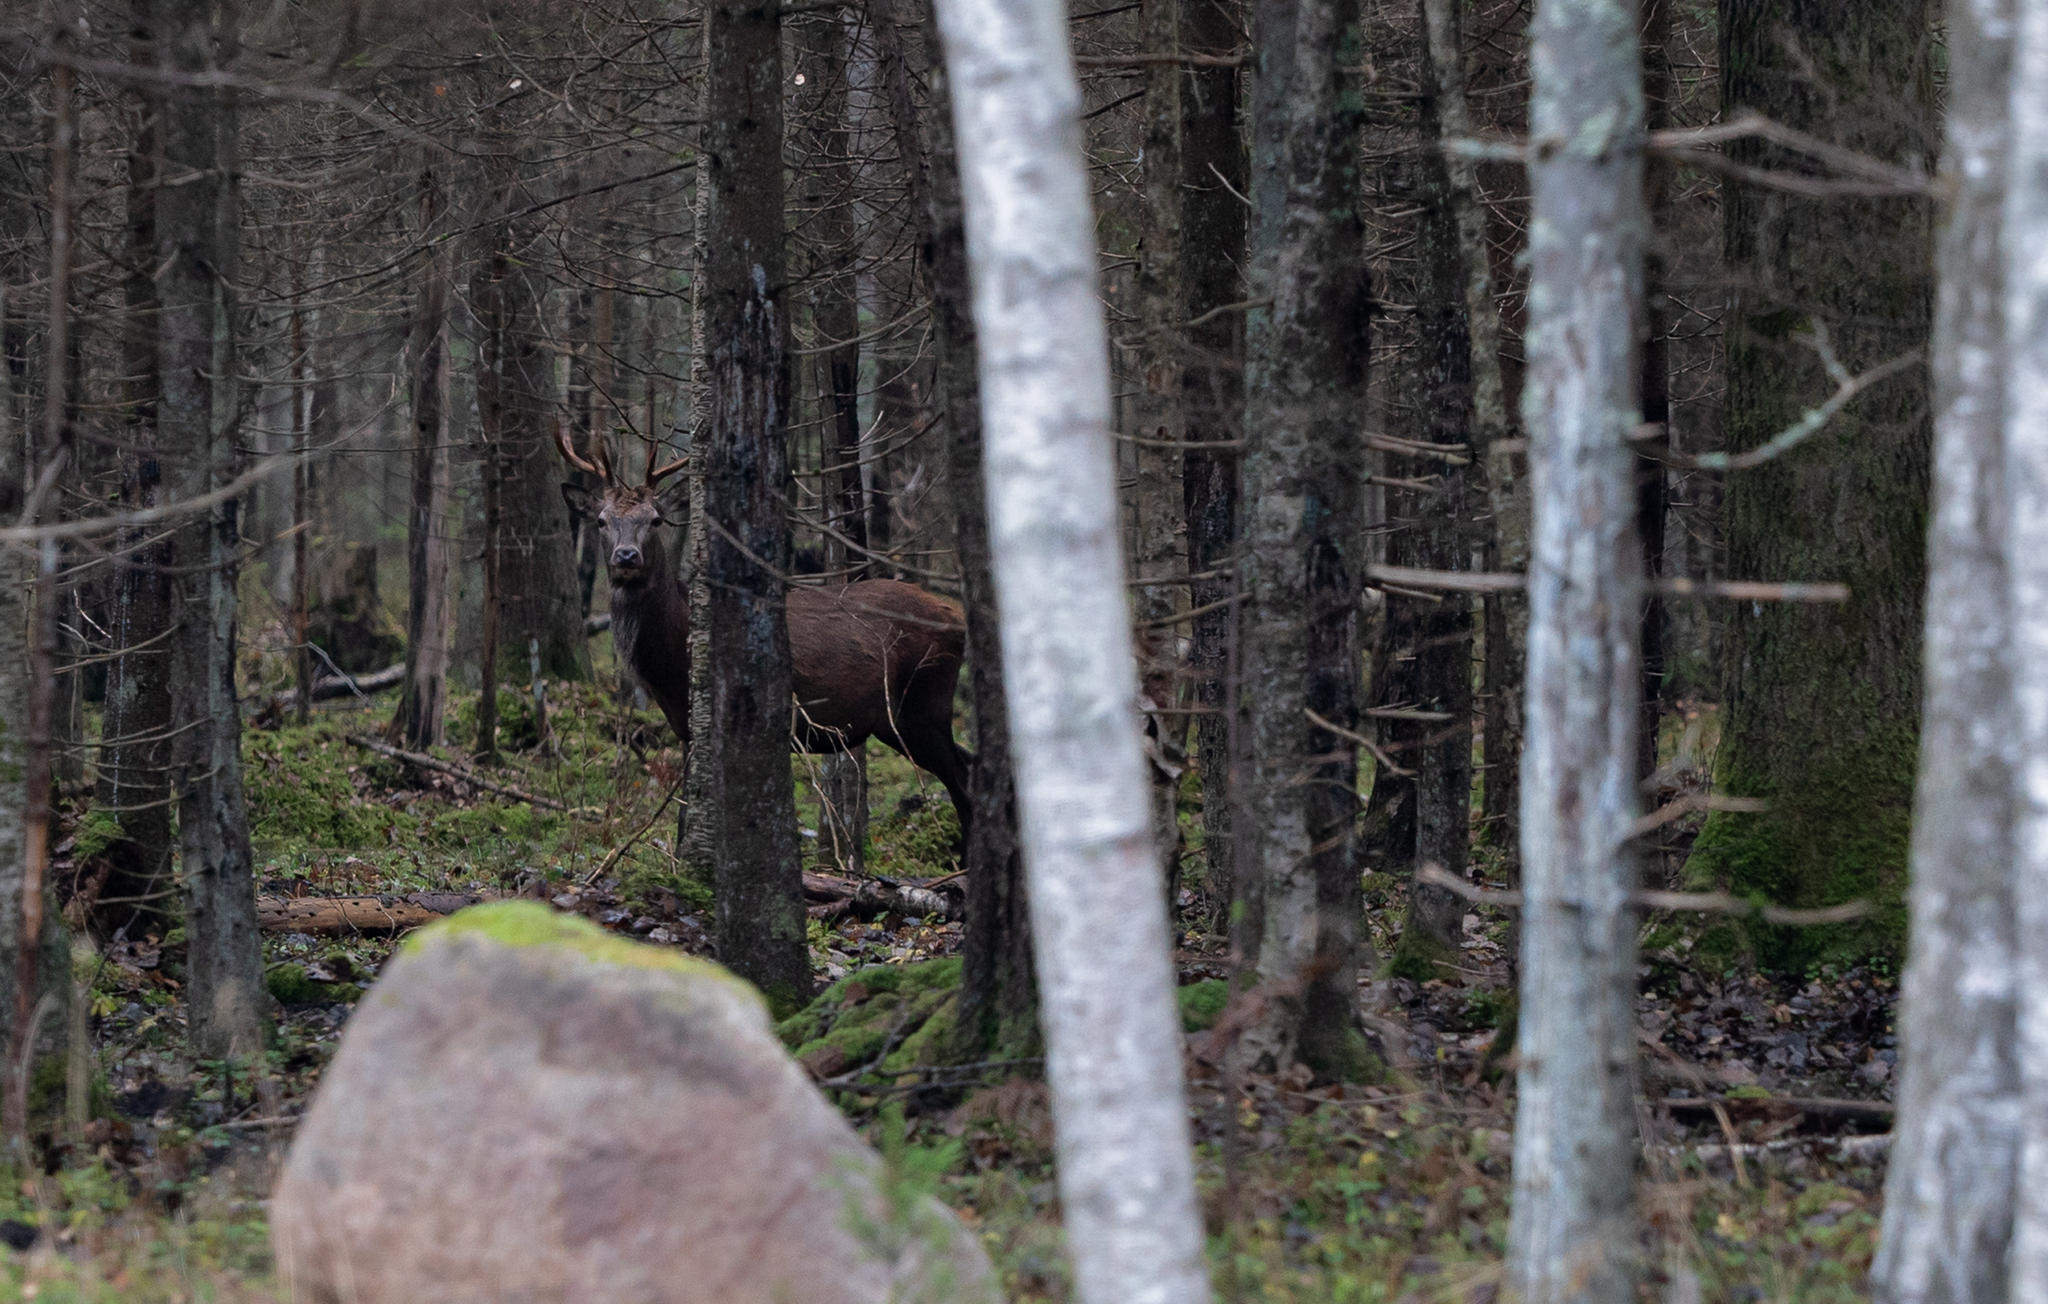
539, 597
828, 199
835, 307
1156, 505
134, 753
1428, 644
1652, 493
487, 293
197, 238
743, 457
419, 719
1212, 379
1304, 482
1823, 700
302, 493
998, 1015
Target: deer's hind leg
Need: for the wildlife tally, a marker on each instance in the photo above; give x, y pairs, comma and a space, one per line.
924, 733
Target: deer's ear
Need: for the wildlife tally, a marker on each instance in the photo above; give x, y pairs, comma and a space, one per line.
581, 501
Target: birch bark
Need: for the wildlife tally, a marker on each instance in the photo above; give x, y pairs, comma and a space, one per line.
2024, 253
1571, 1237
1949, 1187
1098, 917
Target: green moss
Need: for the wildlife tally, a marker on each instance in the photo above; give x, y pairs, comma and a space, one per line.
932, 1041
915, 839
1201, 1003
529, 923
860, 1014
1416, 956
97, 831
1350, 1059
1840, 835
291, 985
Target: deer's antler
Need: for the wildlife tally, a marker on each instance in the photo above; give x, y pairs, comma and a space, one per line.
601, 468
655, 475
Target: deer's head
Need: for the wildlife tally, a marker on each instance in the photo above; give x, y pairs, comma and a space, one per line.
628, 515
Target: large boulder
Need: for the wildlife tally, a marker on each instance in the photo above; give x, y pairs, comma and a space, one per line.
527, 1108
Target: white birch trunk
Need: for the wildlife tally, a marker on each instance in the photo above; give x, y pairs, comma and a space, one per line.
1949, 1189
1572, 1237
2024, 243
1126, 1168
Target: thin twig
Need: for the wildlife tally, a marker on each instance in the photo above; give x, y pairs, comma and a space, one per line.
1378, 753
1149, 60
1663, 815
1454, 454
426, 762
638, 833
1847, 387
1685, 143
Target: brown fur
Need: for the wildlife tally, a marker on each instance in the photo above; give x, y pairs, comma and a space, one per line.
871, 659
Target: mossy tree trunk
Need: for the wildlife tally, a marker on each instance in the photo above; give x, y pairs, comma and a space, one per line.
1823, 700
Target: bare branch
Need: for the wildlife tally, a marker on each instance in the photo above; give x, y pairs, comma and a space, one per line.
1719, 903
1847, 387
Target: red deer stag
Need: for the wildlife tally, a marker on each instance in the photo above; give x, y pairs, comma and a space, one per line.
871, 659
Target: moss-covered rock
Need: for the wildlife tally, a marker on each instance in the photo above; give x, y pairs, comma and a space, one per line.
897, 1018
520, 1098
529, 923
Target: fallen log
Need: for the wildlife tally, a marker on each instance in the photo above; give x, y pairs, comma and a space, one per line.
328, 687
361, 914
425, 762
1851, 1149
1866, 1115
831, 896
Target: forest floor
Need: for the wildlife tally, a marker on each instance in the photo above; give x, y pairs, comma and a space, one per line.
1393, 1192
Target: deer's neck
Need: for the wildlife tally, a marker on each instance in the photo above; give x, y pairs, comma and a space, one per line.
651, 620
